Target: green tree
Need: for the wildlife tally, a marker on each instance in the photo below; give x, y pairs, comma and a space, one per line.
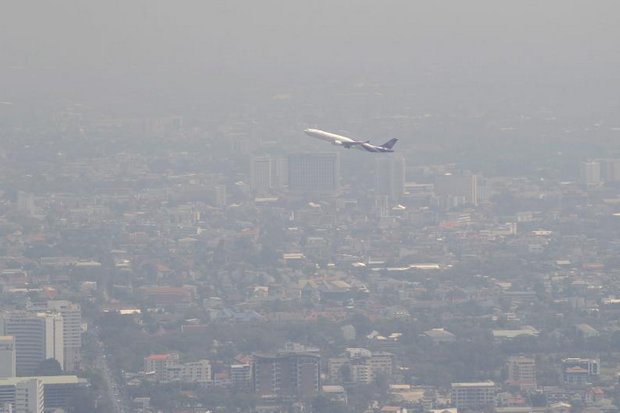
49, 367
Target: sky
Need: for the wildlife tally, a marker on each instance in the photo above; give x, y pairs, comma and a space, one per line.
133, 51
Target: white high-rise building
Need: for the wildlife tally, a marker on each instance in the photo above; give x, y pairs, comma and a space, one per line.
38, 336
72, 332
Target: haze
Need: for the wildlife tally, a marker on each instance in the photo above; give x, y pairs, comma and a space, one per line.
175, 56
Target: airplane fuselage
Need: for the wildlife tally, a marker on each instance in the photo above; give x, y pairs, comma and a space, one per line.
328, 136
346, 142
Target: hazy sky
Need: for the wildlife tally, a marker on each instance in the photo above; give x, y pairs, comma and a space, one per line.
128, 50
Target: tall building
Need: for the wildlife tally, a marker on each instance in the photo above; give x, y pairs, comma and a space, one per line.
290, 376
261, 175
313, 172
522, 372
7, 356
72, 332
390, 177
590, 173
38, 336
473, 395
455, 189
610, 170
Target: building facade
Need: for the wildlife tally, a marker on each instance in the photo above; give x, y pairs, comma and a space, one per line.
38, 336
473, 395
7, 356
72, 332
290, 376
522, 372
313, 173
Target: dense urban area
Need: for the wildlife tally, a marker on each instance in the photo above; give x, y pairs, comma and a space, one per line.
171, 241
163, 264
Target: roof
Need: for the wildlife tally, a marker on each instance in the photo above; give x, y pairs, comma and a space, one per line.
11, 381
157, 357
487, 383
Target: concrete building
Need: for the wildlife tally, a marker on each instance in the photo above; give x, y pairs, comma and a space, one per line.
241, 375
610, 170
359, 365
38, 336
289, 376
590, 173
158, 365
166, 368
313, 173
22, 395
473, 395
38, 394
522, 372
72, 332
579, 371
455, 189
196, 372
7, 356
261, 175
390, 177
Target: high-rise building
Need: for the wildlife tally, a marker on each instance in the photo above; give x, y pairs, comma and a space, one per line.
313, 172
7, 356
286, 375
610, 170
38, 336
473, 395
454, 189
261, 175
522, 372
590, 173
390, 177
72, 332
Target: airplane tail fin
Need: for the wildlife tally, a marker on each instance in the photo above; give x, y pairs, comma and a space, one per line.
390, 144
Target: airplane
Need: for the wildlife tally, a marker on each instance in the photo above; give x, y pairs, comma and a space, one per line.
351, 143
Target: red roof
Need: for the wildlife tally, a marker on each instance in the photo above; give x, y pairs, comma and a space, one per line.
158, 357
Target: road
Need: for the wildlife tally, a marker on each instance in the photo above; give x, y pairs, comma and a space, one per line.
115, 394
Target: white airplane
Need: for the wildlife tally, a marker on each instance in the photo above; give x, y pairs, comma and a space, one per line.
351, 143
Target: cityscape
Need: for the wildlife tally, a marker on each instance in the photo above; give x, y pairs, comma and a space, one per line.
204, 255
